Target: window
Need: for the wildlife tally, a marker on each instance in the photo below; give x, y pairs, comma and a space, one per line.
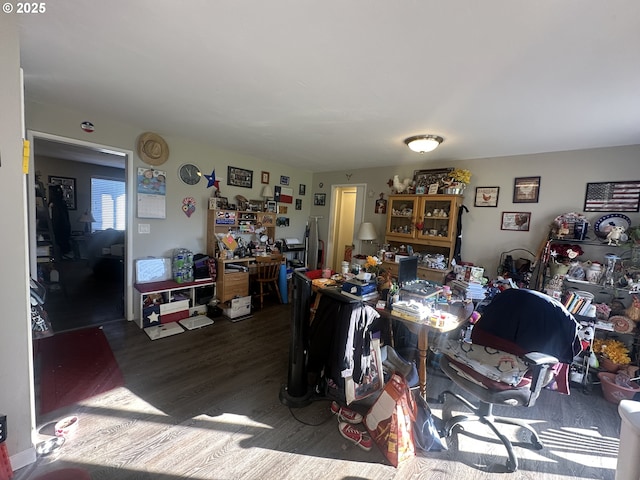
108, 204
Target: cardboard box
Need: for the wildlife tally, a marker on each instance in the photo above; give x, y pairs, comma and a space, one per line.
238, 307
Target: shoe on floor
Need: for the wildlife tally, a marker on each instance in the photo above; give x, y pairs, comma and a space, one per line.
362, 439
345, 414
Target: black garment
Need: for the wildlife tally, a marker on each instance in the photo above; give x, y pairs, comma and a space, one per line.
531, 320
60, 219
340, 339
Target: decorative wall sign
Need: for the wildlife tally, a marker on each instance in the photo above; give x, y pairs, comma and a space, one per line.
319, 199
283, 194
381, 205
612, 197
486, 196
68, 186
284, 180
518, 221
425, 178
188, 206
239, 177
526, 190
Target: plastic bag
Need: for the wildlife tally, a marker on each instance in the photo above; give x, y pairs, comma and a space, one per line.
426, 427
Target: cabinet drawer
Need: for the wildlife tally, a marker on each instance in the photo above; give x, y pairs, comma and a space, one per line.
236, 279
432, 275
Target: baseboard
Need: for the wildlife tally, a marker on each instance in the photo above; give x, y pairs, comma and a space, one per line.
22, 459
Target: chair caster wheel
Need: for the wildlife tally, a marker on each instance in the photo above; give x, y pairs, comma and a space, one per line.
537, 445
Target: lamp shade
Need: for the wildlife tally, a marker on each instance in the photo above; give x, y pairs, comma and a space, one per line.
267, 191
86, 217
423, 143
367, 231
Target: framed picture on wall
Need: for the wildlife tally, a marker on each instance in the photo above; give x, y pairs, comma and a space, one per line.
320, 199
516, 221
265, 177
486, 197
239, 177
68, 186
612, 197
526, 190
302, 190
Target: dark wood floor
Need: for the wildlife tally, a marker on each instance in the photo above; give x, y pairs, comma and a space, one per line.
205, 405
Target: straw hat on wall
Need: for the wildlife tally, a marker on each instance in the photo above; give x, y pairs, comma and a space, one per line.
152, 149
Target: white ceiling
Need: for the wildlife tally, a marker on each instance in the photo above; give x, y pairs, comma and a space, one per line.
328, 85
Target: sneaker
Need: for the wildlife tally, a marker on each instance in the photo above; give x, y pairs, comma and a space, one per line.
362, 439
345, 414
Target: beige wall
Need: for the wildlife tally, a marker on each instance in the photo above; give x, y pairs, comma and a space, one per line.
564, 176
16, 380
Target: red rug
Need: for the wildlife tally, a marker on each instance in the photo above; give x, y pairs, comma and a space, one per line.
75, 366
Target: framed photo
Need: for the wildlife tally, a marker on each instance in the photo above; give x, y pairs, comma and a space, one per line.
218, 203
68, 186
433, 188
486, 197
302, 189
239, 177
264, 177
612, 197
271, 206
320, 199
284, 180
516, 221
526, 190
425, 178
298, 204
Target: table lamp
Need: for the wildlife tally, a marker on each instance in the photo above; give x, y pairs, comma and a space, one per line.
87, 219
367, 232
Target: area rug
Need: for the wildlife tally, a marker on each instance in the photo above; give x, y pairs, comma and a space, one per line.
75, 366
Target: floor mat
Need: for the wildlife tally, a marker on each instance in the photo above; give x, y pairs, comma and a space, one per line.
75, 366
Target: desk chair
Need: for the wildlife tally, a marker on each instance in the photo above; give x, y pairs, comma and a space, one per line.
524, 341
267, 274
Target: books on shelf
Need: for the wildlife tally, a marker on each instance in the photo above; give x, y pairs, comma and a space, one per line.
578, 302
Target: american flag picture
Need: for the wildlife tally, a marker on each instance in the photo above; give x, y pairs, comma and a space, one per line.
612, 197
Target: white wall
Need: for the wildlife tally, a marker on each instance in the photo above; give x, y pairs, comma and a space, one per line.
16, 393
564, 176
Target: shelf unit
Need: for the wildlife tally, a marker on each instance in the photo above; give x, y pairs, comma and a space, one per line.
175, 301
237, 221
428, 225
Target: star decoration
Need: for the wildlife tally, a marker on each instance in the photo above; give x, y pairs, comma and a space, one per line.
153, 317
212, 180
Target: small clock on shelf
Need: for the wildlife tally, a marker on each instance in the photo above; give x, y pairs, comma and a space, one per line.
190, 173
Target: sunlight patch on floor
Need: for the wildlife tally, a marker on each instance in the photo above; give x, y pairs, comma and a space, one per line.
235, 419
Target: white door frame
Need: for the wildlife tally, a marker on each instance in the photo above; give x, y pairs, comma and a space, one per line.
361, 191
130, 179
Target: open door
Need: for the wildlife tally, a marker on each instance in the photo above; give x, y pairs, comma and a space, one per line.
347, 213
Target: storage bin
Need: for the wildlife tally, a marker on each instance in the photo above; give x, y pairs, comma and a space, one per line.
614, 392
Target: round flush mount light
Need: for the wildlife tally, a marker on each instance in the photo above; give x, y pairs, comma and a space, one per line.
423, 143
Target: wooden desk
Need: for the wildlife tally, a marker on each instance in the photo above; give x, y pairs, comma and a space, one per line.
422, 330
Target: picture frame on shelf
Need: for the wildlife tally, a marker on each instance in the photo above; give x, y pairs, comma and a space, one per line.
426, 178
526, 189
612, 197
239, 177
272, 206
486, 197
516, 221
284, 180
320, 199
68, 186
264, 177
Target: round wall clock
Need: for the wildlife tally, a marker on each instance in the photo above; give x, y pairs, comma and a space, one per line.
190, 173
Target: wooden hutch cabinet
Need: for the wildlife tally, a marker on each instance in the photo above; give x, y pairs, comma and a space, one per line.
426, 224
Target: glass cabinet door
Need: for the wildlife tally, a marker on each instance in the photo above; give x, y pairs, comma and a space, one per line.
435, 218
401, 216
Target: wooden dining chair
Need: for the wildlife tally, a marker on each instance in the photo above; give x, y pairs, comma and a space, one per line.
267, 274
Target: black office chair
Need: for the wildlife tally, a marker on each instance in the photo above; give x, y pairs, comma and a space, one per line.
524, 341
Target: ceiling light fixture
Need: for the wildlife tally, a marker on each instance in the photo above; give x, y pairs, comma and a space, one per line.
423, 143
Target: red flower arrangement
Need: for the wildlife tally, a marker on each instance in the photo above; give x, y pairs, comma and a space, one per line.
564, 252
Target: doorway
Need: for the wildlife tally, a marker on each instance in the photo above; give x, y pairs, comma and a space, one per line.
347, 212
92, 279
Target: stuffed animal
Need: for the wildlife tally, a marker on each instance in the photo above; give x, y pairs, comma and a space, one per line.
586, 334
615, 234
